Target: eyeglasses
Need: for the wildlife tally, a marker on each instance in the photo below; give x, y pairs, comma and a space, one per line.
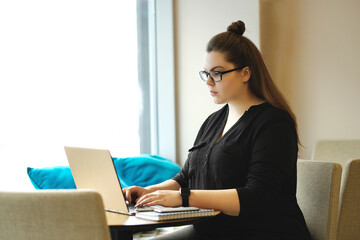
216, 76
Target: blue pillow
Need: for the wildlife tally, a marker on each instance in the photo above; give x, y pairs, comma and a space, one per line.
51, 178
141, 171
144, 170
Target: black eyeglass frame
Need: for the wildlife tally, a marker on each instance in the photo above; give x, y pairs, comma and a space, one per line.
221, 73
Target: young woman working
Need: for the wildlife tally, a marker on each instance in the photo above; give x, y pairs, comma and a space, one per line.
244, 158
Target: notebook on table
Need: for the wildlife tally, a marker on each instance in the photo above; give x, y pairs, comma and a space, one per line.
173, 215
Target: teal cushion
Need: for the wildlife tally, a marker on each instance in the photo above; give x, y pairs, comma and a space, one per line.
141, 171
144, 170
51, 178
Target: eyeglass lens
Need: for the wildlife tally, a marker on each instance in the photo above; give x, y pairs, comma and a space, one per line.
215, 76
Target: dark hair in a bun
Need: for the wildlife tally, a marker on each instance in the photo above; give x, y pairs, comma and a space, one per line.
237, 27
242, 52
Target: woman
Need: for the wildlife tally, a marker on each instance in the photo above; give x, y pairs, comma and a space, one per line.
243, 161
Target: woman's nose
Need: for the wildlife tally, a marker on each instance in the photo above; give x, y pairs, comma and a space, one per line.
209, 81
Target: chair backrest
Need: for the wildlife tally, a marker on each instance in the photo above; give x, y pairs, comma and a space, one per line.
318, 187
53, 214
338, 151
349, 211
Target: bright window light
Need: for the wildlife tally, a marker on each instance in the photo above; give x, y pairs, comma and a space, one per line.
68, 77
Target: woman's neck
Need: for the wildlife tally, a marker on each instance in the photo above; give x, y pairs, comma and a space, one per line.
235, 113
237, 109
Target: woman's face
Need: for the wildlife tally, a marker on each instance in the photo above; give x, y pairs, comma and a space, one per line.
232, 87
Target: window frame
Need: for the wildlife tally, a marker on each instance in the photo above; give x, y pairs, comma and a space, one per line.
156, 80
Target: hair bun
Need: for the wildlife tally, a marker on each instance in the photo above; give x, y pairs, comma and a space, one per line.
237, 27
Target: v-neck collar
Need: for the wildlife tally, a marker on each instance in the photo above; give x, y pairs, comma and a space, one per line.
217, 139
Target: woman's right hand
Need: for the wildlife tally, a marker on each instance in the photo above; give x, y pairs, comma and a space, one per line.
132, 194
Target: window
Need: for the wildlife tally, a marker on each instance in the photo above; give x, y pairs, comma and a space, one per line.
69, 76
83, 73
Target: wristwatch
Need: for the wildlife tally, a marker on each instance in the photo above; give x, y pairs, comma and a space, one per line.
185, 193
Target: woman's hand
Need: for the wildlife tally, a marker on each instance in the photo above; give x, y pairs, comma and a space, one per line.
166, 198
132, 194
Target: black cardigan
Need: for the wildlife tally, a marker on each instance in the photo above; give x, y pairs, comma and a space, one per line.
257, 156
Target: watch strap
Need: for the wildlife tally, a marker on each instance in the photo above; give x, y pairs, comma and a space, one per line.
185, 193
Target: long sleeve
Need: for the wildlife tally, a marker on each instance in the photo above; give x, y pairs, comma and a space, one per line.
272, 168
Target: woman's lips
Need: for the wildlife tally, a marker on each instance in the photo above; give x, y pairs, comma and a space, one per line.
213, 93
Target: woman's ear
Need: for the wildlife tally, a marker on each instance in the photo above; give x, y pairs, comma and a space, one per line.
245, 74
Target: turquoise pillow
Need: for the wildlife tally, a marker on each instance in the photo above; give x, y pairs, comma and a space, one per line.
144, 170
141, 171
51, 178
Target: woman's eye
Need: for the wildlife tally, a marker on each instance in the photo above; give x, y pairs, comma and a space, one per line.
217, 74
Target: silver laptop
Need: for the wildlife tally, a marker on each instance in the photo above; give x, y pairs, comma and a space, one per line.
94, 169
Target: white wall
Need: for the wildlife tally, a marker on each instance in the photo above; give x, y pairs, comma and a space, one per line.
312, 50
196, 21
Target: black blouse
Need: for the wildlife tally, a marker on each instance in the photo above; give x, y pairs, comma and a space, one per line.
257, 156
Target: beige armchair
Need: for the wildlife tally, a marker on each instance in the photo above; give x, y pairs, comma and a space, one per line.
337, 151
349, 211
318, 190
346, 153
56, 215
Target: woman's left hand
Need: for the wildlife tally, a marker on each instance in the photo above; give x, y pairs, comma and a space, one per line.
166, 198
